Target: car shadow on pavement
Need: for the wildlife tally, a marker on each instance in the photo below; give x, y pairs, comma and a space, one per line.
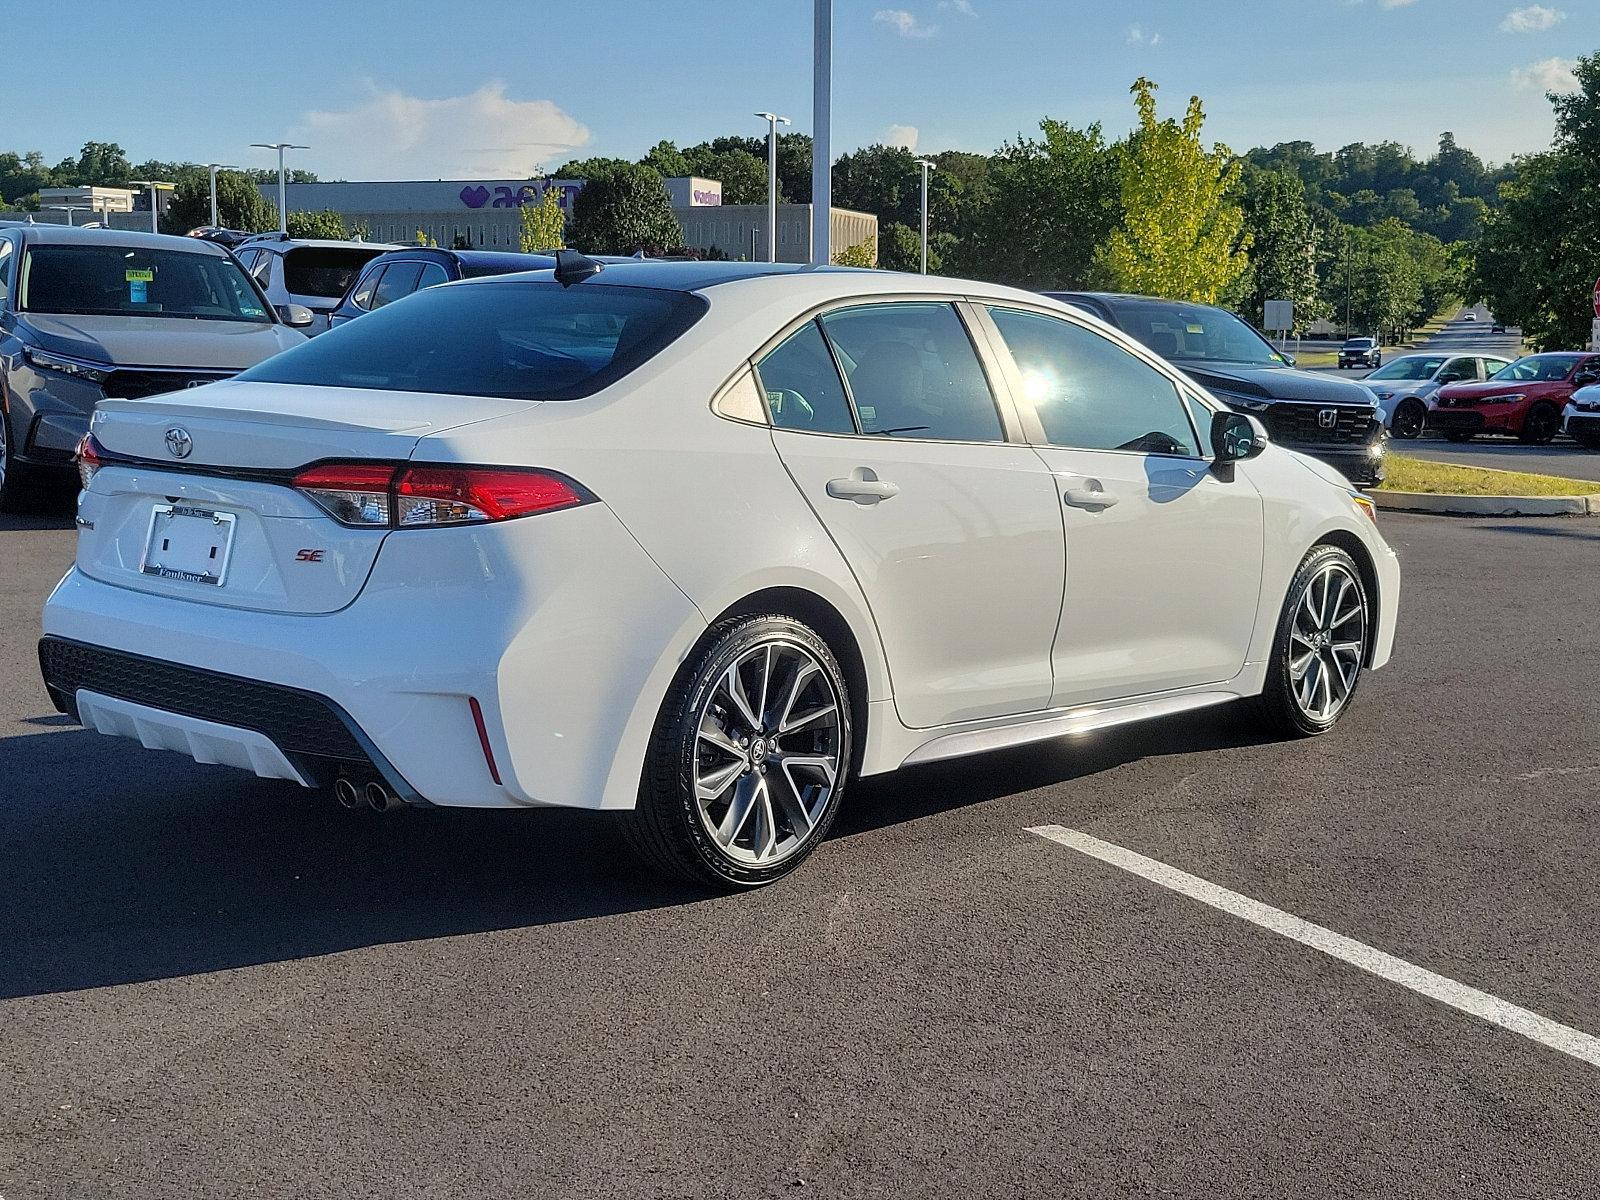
53, 511
122, 865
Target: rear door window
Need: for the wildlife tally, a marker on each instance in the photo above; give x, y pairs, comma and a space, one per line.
362, 297
802, 385
399, 279
913, 373
432, 275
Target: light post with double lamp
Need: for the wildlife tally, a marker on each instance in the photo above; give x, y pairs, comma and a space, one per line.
214, 168
69, 209
156, 187
283, 190
772, 120
926, 166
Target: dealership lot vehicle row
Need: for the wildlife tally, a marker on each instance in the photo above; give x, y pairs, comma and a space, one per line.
220, 981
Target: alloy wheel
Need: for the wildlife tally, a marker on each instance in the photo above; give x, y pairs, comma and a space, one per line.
1408, 420
767, 753
1327, 642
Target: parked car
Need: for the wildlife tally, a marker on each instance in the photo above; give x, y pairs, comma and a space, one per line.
91, 313
400, 272
1405, 386
314, 272
1498, 327
1360, 352
222, 235
1469, 315
1525, 398
701, 542
1333, 419
1581, 418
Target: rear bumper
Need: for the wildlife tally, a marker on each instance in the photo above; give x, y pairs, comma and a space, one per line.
560, 626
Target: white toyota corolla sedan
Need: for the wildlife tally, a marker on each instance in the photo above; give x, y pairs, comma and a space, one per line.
702, 542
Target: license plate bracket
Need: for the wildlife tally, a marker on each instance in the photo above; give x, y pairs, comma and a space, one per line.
189, 544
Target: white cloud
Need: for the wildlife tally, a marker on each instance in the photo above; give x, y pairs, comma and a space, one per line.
904, 136
1547, 75
1138, 37
1536, 18
483, 135
964, 7
904, 23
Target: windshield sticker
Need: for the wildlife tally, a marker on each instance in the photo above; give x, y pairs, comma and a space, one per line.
137, 292
250, 311
1197, 330
136, 276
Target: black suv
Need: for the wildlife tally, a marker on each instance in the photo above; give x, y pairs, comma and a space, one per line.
1328, 418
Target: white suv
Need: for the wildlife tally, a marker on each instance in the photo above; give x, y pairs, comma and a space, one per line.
311, 272
701, 541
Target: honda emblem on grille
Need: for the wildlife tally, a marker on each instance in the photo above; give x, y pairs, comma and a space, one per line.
1327, 418
179, 442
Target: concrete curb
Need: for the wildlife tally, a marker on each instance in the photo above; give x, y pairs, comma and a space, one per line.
1488, 506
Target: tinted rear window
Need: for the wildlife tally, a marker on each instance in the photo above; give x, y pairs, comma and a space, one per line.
323, 271
523, 341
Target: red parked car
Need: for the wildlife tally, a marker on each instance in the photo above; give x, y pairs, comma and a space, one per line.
1524, 398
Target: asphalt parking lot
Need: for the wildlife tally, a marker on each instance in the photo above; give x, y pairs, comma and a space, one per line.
213, 985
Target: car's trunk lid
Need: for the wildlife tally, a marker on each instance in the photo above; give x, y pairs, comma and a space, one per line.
195, 502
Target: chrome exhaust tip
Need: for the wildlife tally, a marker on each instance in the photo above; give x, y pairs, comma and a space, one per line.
379, 798
345, 792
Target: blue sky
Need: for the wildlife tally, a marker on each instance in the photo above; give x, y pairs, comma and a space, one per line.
400, 89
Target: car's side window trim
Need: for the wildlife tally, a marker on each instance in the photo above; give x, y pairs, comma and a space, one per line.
1031, 424
1012, 430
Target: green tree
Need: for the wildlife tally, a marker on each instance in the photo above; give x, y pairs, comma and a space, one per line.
880, 179
544, 225
743, 175
324, 224
21, 176
1539, 255
1044, 206
1283, 246
1181, 233
99, 164
240, 204
859, 255
588, 168
624, 209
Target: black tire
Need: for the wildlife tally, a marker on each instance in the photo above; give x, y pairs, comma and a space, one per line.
1277, 705
1541, 425
1457, 435
1410, 416
666, 828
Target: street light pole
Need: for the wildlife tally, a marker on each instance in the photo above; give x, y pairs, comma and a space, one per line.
283, 189
69, 209
214, 168
821, 130
772, 120
156, 186
926, 166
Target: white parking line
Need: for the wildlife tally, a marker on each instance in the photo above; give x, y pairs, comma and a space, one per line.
1396, 970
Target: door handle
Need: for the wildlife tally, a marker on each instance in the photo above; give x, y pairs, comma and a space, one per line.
1091, 495
863, 486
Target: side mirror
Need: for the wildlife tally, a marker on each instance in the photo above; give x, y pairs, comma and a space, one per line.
1289, 360
296, 316
1237, 436
1585, 377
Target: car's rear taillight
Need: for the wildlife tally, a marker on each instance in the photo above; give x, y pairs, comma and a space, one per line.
351, 493
89, 458
382, 495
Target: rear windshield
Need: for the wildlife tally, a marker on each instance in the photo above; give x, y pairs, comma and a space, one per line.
522, 341
123, 281
1195, 333
326, 271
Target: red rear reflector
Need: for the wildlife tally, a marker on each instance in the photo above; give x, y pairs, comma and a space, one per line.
89, 458
483, 738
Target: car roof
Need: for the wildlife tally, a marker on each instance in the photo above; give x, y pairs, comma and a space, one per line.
745, 284
69, 235
271, 241
509, 260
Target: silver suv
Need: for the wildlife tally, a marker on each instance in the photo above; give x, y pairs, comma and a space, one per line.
312, 272
91, 313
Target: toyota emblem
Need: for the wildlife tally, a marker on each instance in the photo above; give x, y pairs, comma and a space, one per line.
179, 442
1328, 418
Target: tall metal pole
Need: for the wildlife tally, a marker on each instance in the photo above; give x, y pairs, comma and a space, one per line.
926, 166
155, 186
821, 131
214, 168
283, 191
772, 120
